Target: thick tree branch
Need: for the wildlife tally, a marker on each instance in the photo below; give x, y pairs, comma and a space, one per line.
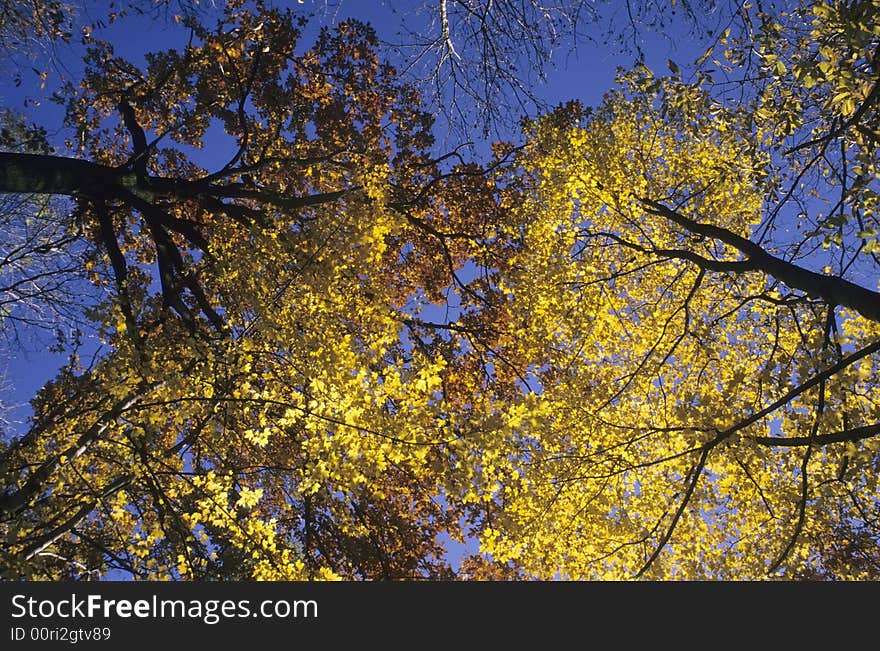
832, 289
38, 174
140, 157
848, 435
707, 264
120, 268
43, 174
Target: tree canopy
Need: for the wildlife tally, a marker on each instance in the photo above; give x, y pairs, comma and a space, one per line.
639, 340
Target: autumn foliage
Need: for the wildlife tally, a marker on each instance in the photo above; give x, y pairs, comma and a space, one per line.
641, 342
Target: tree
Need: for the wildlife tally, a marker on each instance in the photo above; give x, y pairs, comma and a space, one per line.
223, 437
632, 347
696, 298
